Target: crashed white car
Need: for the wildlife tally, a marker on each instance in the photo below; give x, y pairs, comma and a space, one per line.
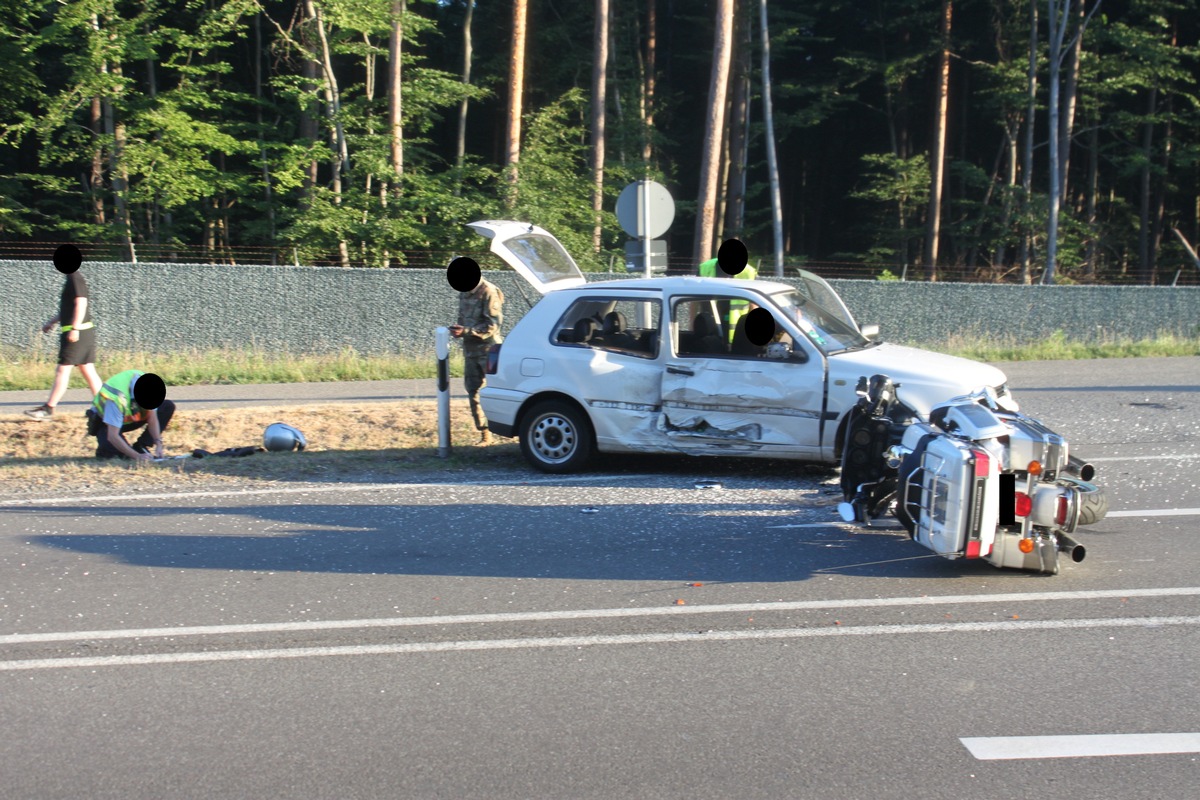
652, 365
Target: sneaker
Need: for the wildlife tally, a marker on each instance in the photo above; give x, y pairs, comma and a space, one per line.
41, 412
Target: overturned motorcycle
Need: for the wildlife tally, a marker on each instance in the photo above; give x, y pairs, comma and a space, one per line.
974, 480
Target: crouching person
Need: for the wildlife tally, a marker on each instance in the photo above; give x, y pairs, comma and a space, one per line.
128, 401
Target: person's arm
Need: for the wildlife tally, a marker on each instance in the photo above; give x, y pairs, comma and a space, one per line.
114, 438
156, 434
80, 313
50, 325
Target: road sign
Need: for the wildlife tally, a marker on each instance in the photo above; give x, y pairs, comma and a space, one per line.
645, 209
635, 259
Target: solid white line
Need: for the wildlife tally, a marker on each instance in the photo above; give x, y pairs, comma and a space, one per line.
341, 487
1123, 744
1184, 457
589, 641
596, 613
1158, 512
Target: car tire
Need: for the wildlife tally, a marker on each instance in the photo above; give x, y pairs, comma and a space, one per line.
556, 436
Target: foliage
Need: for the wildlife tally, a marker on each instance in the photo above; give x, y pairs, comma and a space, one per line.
206, 124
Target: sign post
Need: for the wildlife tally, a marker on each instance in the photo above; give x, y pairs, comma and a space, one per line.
645, 210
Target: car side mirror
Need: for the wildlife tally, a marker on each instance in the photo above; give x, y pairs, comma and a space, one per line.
869, 331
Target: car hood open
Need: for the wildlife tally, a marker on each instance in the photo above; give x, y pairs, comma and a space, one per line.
533, 252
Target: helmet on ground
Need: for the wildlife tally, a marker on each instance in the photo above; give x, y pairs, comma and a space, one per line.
281, 437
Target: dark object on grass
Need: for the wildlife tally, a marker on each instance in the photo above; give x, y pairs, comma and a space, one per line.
230, 452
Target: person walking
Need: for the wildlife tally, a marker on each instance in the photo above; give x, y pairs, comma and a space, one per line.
480, 315
127, 401
77, 337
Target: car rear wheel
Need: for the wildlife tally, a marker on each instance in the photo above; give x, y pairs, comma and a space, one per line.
556, 437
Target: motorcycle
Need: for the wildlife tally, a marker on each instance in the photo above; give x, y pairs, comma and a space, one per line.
976, 479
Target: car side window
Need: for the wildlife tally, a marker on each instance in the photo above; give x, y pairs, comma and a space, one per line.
620, 325
715, 326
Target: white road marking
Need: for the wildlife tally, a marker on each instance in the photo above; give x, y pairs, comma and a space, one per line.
1157, 512
341, 487
597, 613
590, 641
1123, 744
1184, 457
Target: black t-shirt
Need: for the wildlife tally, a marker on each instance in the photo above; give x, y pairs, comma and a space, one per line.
75, 287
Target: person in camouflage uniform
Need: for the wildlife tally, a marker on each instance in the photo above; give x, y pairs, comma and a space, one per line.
480, 314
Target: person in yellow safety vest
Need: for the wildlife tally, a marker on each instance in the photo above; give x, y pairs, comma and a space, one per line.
122, 406
737, 308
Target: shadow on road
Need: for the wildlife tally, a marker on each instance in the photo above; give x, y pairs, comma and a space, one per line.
736, 542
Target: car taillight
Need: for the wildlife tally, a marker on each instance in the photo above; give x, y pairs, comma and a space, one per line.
1024, 504
493, 359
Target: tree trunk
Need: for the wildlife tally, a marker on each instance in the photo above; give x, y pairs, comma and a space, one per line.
772, 159
96, 178
395, 94
651, 56
599, 109
516, 81
1027, 155
262, 148
1145, 269
739, 125
937, 156
460, 143
714, 125
1070, 92
1093, 188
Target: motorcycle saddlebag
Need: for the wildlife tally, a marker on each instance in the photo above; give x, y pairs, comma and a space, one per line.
956, 503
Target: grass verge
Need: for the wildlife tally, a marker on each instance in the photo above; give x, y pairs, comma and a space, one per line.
363, 443
20, 370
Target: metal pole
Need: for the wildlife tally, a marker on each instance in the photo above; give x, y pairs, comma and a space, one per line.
443, 384
644, 203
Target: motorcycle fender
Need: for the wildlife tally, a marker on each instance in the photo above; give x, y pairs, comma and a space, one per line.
959, 499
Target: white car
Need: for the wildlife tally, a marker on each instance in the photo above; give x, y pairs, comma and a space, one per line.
652, 366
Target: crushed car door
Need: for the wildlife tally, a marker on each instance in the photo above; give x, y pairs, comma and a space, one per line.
721, 393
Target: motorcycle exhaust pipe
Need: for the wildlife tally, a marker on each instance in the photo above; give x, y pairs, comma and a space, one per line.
1080, 468
1073, 548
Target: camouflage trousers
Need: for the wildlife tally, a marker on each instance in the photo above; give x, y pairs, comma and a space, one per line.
474, 365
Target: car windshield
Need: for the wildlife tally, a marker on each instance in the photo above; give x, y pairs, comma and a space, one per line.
544, 256
824, 328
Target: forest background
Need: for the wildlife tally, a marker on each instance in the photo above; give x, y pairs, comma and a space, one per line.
911, 138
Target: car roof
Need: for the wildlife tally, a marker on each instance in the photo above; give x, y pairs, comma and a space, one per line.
682, 283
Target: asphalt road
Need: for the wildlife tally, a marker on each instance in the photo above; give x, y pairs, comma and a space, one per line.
618, 634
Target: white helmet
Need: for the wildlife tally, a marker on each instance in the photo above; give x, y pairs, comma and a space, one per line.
281, 437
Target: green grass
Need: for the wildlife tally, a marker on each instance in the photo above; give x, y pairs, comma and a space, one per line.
20, 370
1058, 348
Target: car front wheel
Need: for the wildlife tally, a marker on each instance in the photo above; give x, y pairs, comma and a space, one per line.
556, 437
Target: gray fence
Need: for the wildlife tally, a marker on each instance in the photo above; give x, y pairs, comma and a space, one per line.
168, 307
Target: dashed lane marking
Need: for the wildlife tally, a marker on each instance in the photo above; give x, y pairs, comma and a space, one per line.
992, 748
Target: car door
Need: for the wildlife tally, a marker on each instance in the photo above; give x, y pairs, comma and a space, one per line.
721, 395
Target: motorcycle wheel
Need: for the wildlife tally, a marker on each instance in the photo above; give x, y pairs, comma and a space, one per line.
1093, 504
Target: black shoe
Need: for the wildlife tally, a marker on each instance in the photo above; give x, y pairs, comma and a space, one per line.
42, 412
